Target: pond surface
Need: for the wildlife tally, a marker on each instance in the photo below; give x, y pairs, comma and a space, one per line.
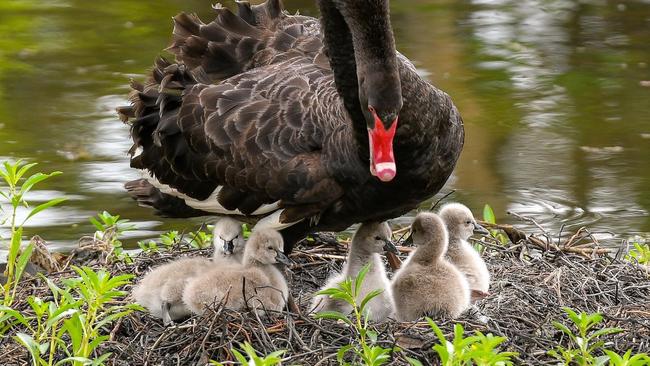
555, 96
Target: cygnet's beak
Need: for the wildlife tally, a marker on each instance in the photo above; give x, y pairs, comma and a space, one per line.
408, 240
228, 247
282, 258
478, 229
390, 247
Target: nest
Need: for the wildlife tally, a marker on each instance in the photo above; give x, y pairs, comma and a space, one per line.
531, 283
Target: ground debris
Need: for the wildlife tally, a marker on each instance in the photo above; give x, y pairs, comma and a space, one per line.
529, 288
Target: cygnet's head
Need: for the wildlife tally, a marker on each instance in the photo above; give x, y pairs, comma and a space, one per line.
266, 247
375, 237
228, 237
460, 221
429, 231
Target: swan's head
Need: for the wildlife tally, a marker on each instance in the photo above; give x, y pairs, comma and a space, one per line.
381, 132
382, 94
266, 247
376, 237
428, 230
228, 237
460, 221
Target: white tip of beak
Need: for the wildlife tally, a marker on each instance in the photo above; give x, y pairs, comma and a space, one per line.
386, 171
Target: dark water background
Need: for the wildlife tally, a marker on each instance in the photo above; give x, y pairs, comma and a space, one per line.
554, 94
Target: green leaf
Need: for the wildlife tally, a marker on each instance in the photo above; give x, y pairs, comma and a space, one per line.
564, 329
372, 335
488, 214
19, 174
9, 312
333, 315
44, 206
358, 281
82, 360
22, 261
69, 310
340, 354
329, 291
239, 357
605, 331
371, 295
413, 361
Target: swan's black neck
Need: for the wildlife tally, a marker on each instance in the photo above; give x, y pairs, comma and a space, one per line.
361, 49
340, 51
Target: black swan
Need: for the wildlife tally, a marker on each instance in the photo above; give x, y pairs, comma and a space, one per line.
295, 124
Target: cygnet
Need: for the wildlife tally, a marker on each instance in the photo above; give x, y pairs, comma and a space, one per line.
161, 290
255, 283
370, 240
461, 225
427, 284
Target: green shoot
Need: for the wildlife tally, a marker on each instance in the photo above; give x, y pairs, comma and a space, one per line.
72, 322
639, 254
366, 348
478, 349
18, 184
109, 229
585, 342
251, 357
490, 218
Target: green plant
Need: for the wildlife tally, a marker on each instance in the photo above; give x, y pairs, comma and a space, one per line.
71, 322
169, 239
479, 349
252, 359
199, 239
18, 185
584, 343
96, 290
166, 243
109, 230
639, 254
246, 231
366, 348
628, 359
490, 218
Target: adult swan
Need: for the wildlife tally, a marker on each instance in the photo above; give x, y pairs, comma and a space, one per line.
289, 122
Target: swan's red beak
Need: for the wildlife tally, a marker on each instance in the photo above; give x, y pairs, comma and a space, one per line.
382, 159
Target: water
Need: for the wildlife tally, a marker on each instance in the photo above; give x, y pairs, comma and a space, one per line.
552, 94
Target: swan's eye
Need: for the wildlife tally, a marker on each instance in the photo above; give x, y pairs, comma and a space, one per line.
468, 222
371, 109
377, 237
269, 247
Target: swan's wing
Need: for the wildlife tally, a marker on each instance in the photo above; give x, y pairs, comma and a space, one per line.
231, 44
250, 145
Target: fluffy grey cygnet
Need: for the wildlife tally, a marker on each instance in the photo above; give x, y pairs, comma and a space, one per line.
428, 284
370, 240
161, 290
461, 225
228, 240
255, 283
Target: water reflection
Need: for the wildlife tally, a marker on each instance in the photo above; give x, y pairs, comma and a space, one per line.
556, 116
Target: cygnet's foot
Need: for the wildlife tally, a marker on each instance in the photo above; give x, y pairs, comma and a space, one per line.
477, 295
475, 313
292, 306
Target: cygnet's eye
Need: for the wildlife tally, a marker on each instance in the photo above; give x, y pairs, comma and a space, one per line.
269, 247
468, 222
377, 237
